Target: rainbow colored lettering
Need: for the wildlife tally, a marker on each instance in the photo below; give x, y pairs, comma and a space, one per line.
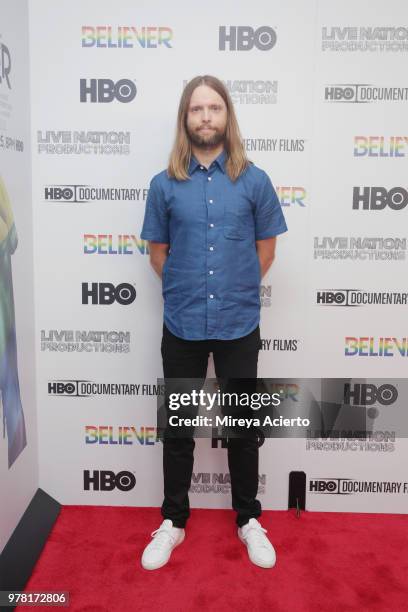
288, 196
121, 244
124, 37
107, 434
380, 146
369, 346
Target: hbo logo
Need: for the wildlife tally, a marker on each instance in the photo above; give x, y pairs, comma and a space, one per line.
367, 394
105, 90
378, 198
59, 193
331, 297
107, 293
343, 94
68, 387
107, 481
245, 38
323, 486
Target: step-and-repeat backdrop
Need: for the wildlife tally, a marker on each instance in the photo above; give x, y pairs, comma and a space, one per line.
321, 91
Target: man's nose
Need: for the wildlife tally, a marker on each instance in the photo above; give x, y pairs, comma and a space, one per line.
206, 115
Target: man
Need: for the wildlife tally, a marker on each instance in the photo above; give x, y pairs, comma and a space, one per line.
211, 221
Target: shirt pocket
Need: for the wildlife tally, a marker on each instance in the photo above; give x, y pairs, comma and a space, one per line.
237, 222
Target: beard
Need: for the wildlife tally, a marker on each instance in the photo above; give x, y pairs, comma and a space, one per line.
206, 140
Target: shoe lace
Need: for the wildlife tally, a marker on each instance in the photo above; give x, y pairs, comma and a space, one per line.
256, 533
161, 537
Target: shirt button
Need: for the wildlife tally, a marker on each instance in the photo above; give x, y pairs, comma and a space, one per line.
209, 178
211, 201
211, 272
211, 296
201, 168
211, 224
211, 248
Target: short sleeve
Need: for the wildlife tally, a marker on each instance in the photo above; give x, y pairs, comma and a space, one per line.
269, 219
155, 224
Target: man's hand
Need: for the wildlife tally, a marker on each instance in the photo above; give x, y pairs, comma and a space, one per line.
266, 253
158, 254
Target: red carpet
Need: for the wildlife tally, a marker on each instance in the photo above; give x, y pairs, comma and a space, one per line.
325, 562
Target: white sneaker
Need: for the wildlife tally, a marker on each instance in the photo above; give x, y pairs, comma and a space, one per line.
158, 551
260, 550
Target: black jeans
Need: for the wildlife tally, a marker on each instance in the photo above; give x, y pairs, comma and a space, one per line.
189, 359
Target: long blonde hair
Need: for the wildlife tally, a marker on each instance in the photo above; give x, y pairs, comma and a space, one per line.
180, 155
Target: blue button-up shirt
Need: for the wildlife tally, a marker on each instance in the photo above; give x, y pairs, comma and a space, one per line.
211, 277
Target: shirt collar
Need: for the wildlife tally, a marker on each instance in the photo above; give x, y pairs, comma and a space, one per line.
220, 161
